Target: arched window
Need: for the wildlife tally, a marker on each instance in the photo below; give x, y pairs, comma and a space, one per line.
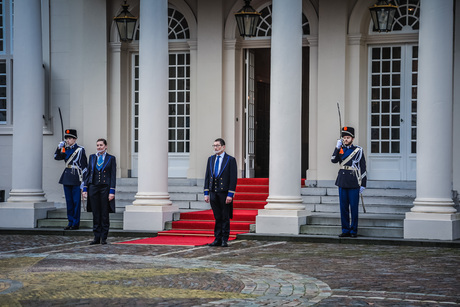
177, 26
407, 15
264, 29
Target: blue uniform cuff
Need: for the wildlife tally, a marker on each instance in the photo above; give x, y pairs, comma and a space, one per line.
112, 191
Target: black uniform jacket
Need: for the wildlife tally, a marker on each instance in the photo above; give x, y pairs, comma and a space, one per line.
226, 180
70, 175
108, 176
348, 178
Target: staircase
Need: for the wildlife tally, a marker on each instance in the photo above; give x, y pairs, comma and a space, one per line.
249, 197
386, 204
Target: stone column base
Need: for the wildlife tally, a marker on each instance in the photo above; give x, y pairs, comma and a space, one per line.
434, 226
23, 215
280, 221
148, 218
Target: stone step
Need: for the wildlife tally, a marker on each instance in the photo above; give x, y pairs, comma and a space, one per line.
58, 219
370, 208
365, 220
329, 230
62, 214
376, 225
325, 191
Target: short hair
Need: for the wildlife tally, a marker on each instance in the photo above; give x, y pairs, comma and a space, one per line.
102, 140
221, 141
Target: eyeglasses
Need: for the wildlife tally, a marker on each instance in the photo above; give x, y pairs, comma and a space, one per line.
216, 145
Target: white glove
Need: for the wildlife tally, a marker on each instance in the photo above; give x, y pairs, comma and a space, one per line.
361, 190
339, 143
61, 144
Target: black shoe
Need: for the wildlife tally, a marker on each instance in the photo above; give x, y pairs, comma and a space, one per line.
215, 243
224, 244
74, 227
95, 242
67, 227
344, 235
103, 242
354, 235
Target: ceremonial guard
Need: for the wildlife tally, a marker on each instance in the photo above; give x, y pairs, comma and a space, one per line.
219, 189
351, 180
72, 177
99, 188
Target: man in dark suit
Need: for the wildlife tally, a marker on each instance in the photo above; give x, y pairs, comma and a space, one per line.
99, 187
219, 189
351, 180
72, 176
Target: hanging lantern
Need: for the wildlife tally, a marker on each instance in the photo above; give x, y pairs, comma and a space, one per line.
247, 19
383, 15
126, 24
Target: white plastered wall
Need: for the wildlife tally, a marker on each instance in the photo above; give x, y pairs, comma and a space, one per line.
78, 85
332, 41
207, 109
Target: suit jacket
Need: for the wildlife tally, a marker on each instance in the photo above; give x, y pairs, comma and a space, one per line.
108, 176
348, 178
77, 166
226, 180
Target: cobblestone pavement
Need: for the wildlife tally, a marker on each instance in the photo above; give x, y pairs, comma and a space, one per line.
43, 270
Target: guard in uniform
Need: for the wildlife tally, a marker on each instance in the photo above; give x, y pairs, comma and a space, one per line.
72, 177
219, 189
99, 187
351, 180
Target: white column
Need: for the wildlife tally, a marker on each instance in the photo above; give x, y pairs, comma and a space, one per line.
152, 207
285, 212
27, 201
433, 215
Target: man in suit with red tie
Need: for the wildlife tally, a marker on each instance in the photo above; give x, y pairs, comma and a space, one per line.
99, 187
219, 189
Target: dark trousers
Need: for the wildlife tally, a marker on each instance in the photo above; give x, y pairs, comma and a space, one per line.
349, 203
73, 200
221, 212
99, 197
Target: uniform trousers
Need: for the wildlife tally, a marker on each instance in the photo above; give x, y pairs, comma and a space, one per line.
349, 203
221, 212
99, 197
73, 200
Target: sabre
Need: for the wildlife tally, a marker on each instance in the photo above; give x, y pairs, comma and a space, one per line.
62, 129
340, 120
362, 201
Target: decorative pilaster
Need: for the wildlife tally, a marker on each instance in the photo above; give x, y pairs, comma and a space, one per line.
285, 212
433, 215
27, 201
152, 207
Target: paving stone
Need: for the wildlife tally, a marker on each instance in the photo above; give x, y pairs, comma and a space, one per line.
44, 270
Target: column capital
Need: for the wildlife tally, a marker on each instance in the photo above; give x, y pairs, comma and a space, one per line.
355, 39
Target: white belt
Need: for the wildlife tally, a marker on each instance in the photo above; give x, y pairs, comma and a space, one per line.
349, 168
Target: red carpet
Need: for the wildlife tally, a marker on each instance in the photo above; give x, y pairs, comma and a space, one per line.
197, 228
